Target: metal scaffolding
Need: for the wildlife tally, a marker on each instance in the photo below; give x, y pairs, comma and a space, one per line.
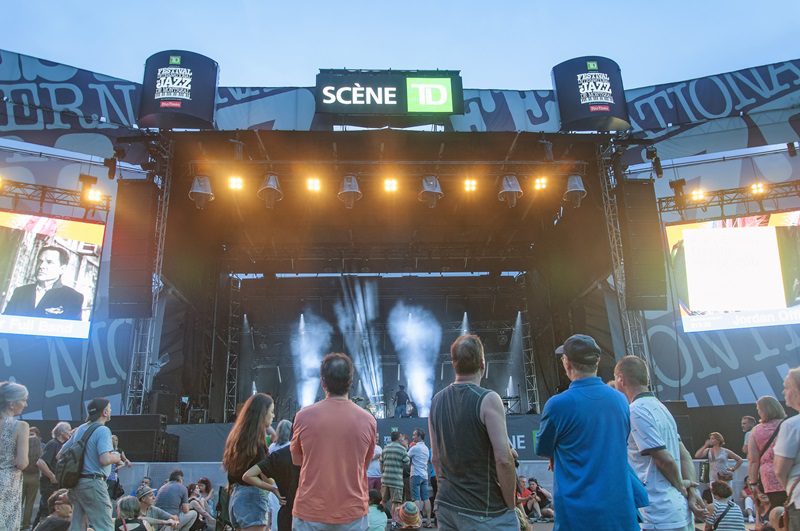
49, 195
529, 362
632, 321
233, 344
144, 355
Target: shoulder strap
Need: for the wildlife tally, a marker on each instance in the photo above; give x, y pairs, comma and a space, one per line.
88, 433
720, 517
762, 451
791, 490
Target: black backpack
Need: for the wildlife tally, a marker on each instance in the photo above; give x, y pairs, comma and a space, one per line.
70, 464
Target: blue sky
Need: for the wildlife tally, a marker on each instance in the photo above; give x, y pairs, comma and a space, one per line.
501, 44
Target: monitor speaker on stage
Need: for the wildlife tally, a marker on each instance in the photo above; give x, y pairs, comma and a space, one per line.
590, 95
133, 247
642, 248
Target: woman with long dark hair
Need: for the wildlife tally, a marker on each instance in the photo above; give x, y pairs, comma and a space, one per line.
246, 446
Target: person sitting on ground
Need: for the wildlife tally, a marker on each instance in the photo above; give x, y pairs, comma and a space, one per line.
157, 518
197, 503
541, 503
749, 505
376, 517
724, 514
407, 516
128, 518
174, 498
523, 494
60, 510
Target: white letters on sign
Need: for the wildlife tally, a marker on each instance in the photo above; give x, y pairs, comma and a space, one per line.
358, 95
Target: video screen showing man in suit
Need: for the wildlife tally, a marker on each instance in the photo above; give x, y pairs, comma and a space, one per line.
47, 297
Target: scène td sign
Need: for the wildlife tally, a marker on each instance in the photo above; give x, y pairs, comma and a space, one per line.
393, 93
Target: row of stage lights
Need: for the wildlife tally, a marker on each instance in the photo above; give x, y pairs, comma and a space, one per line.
430, 191
698, 195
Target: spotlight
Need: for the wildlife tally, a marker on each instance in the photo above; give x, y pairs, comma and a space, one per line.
652, 155
431, 191
349, 192
697, 195
548, 150
390, 185
758, 188
201, 192
89, 194
575, 191
313, 184
470, 185
510, 190
791, 149
677, 186
111, 164
270, 190
540, 183
235, 182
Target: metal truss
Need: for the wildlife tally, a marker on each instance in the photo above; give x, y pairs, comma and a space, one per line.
732, 196
632, 321
144, 355
233, 344
48, 195
529, 362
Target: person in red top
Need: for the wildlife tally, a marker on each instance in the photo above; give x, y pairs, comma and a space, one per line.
333, 443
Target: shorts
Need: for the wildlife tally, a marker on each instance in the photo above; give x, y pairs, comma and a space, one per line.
374, 483
391, 494
248, 506
419, 488
449, 519
359, 524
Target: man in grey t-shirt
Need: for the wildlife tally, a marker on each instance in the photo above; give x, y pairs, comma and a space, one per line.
174, 499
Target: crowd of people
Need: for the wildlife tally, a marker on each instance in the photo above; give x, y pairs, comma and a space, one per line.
618, 463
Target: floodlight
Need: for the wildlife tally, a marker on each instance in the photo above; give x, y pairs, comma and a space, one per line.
235, 182
575, 191
270, 190
201, 192
510, 190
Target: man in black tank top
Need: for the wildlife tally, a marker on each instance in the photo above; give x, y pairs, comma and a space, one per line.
470, 449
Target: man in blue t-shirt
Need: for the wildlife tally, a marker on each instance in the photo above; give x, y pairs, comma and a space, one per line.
90, 502
584, 432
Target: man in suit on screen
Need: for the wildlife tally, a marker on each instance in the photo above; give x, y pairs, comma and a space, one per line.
47, 297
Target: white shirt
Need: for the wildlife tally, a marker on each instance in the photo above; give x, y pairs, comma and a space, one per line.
787, 444
374, 468
419, 455
653, 428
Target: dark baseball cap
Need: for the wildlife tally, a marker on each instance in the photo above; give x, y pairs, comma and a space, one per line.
580, 348
95, 408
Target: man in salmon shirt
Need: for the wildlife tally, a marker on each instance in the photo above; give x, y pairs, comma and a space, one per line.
333, 443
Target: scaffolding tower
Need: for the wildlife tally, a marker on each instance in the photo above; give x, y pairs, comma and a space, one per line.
233, 341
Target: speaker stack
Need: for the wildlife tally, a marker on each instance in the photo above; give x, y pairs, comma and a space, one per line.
145, 438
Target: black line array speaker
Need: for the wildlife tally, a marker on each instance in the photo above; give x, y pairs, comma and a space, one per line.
133, 247
642, 251
148, 445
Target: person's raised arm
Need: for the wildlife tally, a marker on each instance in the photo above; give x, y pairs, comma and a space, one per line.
702, 452
21, 458
494, 418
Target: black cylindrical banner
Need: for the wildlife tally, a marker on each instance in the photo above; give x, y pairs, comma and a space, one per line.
590, 95
178, 91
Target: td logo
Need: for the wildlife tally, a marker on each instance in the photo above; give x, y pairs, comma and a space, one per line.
429, 94
174, 59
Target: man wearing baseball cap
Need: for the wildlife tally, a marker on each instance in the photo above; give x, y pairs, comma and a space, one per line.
90, 502
584, 432
151, 514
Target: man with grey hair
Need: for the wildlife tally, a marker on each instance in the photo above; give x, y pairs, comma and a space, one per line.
787, 449
584, 432
47, 465
656, 453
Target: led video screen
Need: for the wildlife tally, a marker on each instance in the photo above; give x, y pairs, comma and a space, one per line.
738, 272
49, 269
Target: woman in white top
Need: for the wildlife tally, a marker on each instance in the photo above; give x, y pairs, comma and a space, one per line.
13, 452
718, 457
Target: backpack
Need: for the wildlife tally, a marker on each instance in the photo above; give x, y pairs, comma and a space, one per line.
70, 464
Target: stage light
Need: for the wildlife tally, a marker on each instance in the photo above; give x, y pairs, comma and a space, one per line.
201, 192
270, 190
539, 183
758, 188
89, 194
791, 149
235, 182
349, 192
575, 191
548, 150
652, 156
94, 195
697, 195
510, 190
390, 185
431, 191
111, 164
470, 185
313, 184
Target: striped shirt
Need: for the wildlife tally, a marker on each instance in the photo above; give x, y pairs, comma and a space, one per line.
394, 456
733, 519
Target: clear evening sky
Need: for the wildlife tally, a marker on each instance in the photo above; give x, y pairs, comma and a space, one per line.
496, 44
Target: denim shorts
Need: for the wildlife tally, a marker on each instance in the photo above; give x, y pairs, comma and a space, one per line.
419, 488
248, 506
